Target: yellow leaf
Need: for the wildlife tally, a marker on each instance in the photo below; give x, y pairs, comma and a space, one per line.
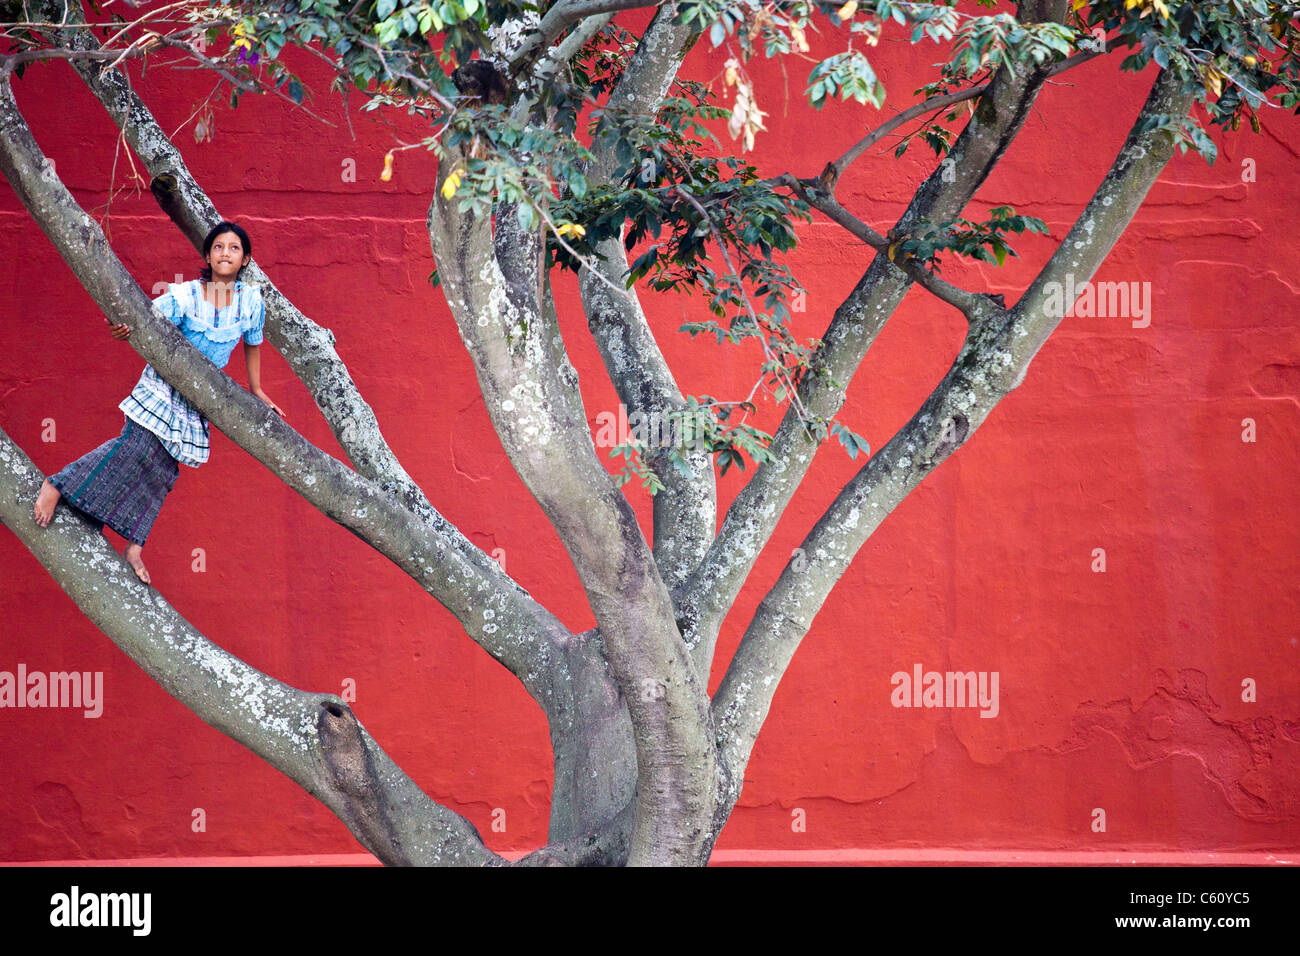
570, 229
731, 72
387, 174
451, 184
1249, 61
800, 41
846, 12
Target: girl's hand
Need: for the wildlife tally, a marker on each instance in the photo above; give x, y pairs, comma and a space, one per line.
266, 398
119, 332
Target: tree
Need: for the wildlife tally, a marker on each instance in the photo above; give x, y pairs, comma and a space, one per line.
524, 190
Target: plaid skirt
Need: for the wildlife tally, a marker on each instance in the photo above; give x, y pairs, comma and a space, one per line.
122, 483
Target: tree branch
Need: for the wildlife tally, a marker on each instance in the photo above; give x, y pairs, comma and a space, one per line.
993, 361
560, 17
314, 739
831, 176
564, 51
685, 511
705, 598
968, 303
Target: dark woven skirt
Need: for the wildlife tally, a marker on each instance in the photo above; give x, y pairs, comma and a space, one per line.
122, 483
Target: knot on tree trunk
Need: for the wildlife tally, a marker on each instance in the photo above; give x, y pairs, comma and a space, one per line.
166, 192
955, 431
342, 748
352, 775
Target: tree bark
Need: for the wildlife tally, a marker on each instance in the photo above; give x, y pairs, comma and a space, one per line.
685, 511
492, 281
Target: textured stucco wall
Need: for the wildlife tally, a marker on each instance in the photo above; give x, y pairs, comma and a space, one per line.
1119, 690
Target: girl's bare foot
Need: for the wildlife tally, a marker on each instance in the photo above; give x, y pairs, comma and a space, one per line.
46, 499
132, 555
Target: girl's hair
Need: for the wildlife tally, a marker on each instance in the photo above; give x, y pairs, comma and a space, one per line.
206, 272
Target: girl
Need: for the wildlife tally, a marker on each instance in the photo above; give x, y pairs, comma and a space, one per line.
123, 482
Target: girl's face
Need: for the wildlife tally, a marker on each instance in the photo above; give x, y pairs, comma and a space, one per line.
226, 257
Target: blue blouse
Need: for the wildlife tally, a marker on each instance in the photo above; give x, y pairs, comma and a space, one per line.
153, 403
214, 332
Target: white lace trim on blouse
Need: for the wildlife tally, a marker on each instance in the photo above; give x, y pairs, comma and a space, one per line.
202, 315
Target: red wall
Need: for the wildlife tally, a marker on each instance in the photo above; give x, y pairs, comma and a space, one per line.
1118, 690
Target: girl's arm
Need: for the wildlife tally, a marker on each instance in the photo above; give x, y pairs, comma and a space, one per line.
253, 358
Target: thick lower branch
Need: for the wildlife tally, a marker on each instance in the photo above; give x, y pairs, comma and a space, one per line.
685, 511
314, 739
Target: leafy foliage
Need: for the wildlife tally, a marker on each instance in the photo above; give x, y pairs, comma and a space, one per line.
703, 424
848, 74
693, 216
1235, 54
976, 240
